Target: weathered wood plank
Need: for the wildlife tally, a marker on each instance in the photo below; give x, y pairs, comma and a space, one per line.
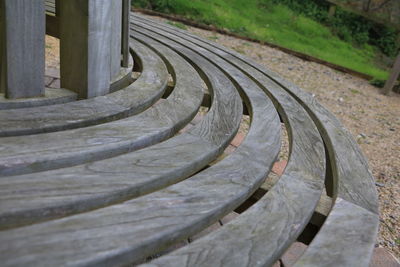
68, 148
171, 214
51, 97
23, 58
125, 233
322, 210
126, 12
293, 198
116, 37
126, 102
67, 191
346, 239
195, 202
2, 49
85, 46
355, 182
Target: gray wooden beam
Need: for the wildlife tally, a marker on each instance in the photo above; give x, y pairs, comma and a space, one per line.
332, 10
394, 74
125, 32
2, 48
116, 37
23, 42
85, 34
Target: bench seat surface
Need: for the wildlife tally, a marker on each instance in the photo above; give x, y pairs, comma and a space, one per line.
130, 182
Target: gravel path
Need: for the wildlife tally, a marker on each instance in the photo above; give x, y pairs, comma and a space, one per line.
371, 117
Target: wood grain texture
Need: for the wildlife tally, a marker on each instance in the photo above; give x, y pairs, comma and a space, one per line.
51, 97
294, 198
24, 59
68, 148
119, 210
3, 60
353, 180
126, 102
67, 191
116, 37
85, 46
171, 214
126, 11
346, 239
352, 176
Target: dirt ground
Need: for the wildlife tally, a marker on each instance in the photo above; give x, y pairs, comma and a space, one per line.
372, 118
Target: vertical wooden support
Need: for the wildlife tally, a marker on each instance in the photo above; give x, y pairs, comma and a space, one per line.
116, 35
332, 11
2, 49
57, 2
390, 83
126, 12
23, 44
85, 40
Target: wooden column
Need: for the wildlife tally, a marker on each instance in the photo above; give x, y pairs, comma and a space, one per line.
85, 46
22, 50
116, 35
57, 2
332, 10
390, 83
126, 12
2, 49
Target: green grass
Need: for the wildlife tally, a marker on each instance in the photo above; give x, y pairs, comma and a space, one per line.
279, 25
178, 25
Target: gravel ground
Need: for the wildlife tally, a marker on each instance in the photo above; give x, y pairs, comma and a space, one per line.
371, 117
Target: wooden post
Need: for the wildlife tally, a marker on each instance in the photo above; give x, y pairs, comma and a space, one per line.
390, 83
126, 12
332, 11
2, 49
116, 37
57, 3
23, 45
85, 46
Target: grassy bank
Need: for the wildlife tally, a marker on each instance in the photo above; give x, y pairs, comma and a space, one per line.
276, 24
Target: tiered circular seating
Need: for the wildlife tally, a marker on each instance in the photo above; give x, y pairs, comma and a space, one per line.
121, 179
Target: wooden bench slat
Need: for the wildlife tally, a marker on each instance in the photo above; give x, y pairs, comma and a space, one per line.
132, 223
354, 182
170, 214
67, 191
72, 147
24, 57
346, 239
52, 96
126, 102
290, 202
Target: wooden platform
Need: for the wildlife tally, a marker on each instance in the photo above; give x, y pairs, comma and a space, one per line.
122, 179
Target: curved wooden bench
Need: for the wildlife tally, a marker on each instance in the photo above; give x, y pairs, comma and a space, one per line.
68, 148
52, 97
119, 209
355, 210
191, 151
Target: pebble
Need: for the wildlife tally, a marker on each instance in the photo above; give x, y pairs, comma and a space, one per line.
392, 129
379, 184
